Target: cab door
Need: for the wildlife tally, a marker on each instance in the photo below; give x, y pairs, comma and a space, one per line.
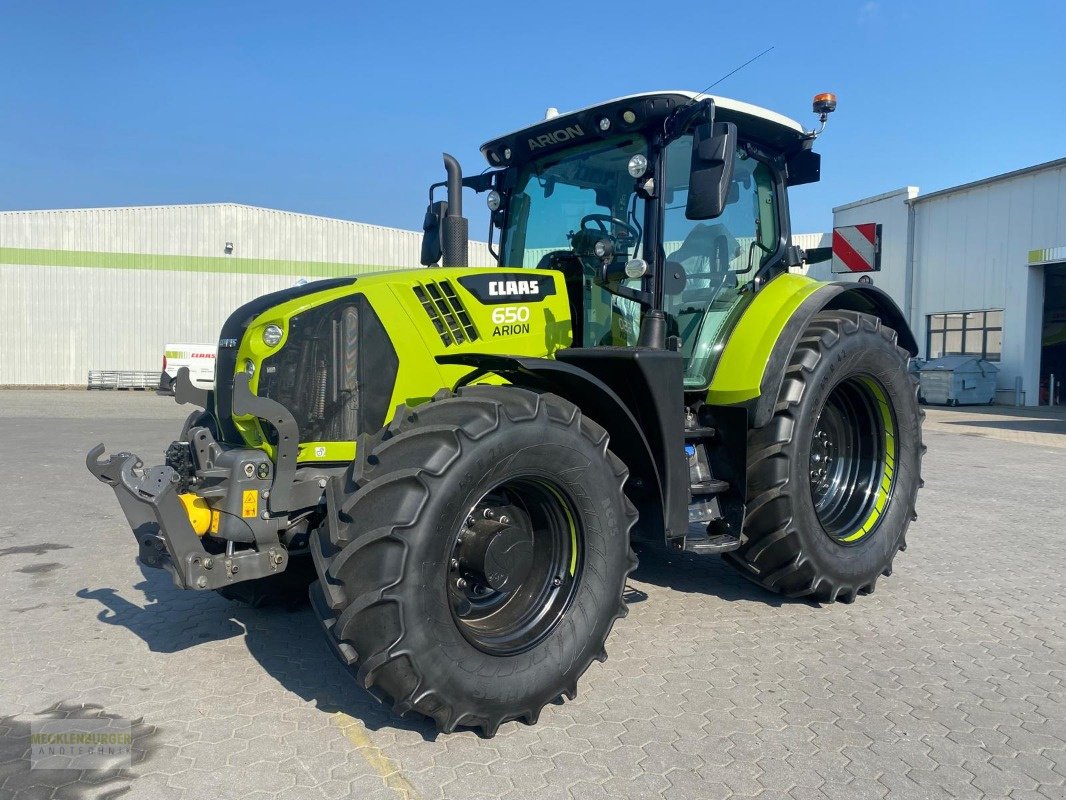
709, 262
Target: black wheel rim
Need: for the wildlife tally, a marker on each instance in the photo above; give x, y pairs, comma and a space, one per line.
852, 459
514, 565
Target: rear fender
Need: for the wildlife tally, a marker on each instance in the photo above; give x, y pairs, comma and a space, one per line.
833, 296
752, 367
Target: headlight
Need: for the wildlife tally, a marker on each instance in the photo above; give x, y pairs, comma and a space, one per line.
272, 335
636, 268
492, 200
603, 248
638, 165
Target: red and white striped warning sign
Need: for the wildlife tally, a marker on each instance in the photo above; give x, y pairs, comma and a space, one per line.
857, 248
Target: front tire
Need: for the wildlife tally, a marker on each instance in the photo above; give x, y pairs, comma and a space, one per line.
833, 476
286, 589
476, 555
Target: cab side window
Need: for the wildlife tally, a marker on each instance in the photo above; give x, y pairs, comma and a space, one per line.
707, 260
742, 237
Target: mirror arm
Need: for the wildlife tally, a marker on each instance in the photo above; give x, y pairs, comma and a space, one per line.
493, 253
636, 295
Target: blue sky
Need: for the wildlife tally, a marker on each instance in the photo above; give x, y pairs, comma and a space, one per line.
343, 109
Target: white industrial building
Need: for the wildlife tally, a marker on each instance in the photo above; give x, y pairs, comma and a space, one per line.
107, 288
979, 269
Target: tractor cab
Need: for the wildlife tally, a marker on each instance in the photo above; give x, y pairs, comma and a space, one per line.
671, 203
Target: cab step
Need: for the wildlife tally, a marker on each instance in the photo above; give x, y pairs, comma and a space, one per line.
709, 545
708, 486
700, 434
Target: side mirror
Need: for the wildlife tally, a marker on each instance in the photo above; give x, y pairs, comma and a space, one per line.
711, 175
431, 250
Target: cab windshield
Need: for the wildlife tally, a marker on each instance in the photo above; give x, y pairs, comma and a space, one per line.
562, 206
584, 189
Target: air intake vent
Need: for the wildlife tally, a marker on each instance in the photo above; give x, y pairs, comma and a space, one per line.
445, 311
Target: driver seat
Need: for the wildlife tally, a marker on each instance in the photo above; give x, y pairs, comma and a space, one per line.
707, 250
711, 248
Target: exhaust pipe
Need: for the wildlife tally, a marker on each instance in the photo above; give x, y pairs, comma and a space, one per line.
455, 228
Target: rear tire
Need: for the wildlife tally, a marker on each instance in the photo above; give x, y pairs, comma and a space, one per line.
411, 510
833, 476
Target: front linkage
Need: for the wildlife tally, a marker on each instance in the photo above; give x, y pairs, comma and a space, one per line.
254, 496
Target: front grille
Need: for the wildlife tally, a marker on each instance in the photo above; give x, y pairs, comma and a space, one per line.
335, 373
446, 312
315, 374
233, 333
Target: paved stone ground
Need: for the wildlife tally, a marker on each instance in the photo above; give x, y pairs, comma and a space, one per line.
1042, 426
950, 681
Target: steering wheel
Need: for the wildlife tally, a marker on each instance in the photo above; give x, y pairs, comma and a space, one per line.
602, 220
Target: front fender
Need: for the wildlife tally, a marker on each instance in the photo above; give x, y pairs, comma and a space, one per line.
599, 402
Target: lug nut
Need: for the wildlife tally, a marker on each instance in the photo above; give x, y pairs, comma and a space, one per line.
557, 581
461, 583
489, 513
505, 520
454, 563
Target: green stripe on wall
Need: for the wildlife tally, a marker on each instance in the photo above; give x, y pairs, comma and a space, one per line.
1047, 254
220, 264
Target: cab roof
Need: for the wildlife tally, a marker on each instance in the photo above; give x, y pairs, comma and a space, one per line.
752, 121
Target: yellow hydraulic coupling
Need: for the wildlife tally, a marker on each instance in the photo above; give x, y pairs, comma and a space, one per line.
202, 517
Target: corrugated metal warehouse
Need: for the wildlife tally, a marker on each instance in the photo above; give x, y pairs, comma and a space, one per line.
980, 269
107, 288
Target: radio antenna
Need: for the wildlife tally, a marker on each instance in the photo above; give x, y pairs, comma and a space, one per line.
730, 74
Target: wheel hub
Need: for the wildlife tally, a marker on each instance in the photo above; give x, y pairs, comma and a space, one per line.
514, 565
495, 551
823, 458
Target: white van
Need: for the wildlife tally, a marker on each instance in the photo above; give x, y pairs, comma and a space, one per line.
199, 358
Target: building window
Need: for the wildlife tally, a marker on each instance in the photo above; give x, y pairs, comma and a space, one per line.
965, 333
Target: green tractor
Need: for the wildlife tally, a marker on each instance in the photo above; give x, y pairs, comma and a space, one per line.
461, 458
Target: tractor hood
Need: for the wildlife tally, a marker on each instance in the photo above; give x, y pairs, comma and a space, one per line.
341, 354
